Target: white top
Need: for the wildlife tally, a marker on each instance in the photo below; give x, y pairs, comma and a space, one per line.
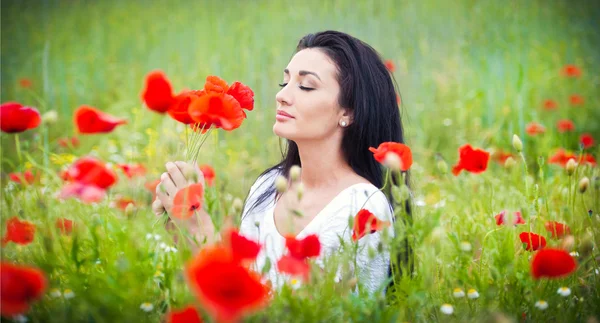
328, 224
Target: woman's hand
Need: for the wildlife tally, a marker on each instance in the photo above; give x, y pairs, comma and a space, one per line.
178, 176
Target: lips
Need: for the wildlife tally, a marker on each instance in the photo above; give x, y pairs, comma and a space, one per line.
283, 113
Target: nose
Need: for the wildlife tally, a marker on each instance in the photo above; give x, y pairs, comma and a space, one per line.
284, 96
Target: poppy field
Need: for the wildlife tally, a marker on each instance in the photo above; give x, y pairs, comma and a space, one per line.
499, 102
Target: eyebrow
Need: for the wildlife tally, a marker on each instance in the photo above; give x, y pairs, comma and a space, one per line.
302, 73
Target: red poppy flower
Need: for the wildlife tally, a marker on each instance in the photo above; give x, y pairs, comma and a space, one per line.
64, 225
304, 248
186, 315
121, 203
532, 241
550, 105
565, 125
501, 156
158, 92
471, 160
552, 263
215, 84
19, 232
68, 142
25, 83
561, 157
89, 120
365, 223
587, 159
84, 192
576, 99
19, 286
294, 267
209, 174
217, 110
403, 151
557, 229
132, 170
390, 65
15, 117
241, 247
223, 286
586, 140
243, 94
534, 128
179, 109
151, 186
90, 171
24, 178
501, 218
571, 70
187, 200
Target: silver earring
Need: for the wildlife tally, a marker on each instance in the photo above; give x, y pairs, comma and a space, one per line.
343, 123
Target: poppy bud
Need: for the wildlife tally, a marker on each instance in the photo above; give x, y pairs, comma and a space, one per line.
237, 205
300, 190
517, 143
50, 117
583, 184
401, 193
509, 163
295, 173
442, 166
129, 209
570, 167
281, 184
392, 161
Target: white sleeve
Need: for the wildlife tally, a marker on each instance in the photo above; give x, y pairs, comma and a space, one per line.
248, 226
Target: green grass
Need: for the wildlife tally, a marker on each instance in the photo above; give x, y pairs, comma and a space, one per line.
469, 72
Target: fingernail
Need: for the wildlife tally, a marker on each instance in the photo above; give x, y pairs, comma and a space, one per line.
163, 176
169, 165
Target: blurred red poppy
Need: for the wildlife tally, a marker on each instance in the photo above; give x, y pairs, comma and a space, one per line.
25, 83
571, 70
89, 120
15, 117
517, 219
19, 286
151, 186
565, 125
471, 160
534, 128
389, 65
294, 266
84, 192
550, 105
64, 225
586, 140
225, 288
501, 156
27, 177
561, 157
576, 99
189, 314
532, 241
365, 223
401, 150
552, 263
179, 109
187, 200
307, 247
557, 229
19, 232
90, 171
68, 142
242, 248
121, 203
158, 92
209, 174
132, 170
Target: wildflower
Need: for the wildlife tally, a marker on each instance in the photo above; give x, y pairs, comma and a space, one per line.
501, 218
85, 193
241, 247
209, 174
158, 92
132, 170
557, 229
181, 103
472, 294
570, 166
447, 309
19, 232
151, 186
542, 305
294, 263
576, 99
162, 245
187, 201
532, 241
20, 286
281, 184
552, 263
565, 125
147, 307
55, 292
402, 151
471, 160
458, 293
89, 120
465, 246
68, 142
574, 254
18, 118
583, 184
389, 65
237, 205
550, 105
517, 143
25, 178
25, 83
91, 171
68, 294
571, 70
564, 291
586, 140
189, 314
295, 283
366, 223
64, 225
534, 128
50, 117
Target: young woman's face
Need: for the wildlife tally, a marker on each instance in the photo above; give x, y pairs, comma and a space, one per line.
307, 105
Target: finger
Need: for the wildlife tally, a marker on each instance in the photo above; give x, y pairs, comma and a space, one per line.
168, 184
176, 175
157, 207
191, 172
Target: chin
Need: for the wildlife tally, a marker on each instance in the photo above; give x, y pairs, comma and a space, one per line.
280, 131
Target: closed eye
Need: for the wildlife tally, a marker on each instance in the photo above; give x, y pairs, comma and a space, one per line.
303, 88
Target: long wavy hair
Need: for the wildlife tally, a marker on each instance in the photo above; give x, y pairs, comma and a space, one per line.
369, 91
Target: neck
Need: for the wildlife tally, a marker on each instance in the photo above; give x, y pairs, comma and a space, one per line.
323, 163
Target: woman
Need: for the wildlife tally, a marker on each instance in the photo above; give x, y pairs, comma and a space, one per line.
337, 100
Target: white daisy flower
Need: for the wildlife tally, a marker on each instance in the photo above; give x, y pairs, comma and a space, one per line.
147, 307
465, 246
564, 291
55, 292
542, 305
68, 294
296, 283
148, 236
447, 309
574, 254
170, 249
157, 237
162, 245
597, 271
458, 293
472, 294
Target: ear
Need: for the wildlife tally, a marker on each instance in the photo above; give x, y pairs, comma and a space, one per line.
348, 115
